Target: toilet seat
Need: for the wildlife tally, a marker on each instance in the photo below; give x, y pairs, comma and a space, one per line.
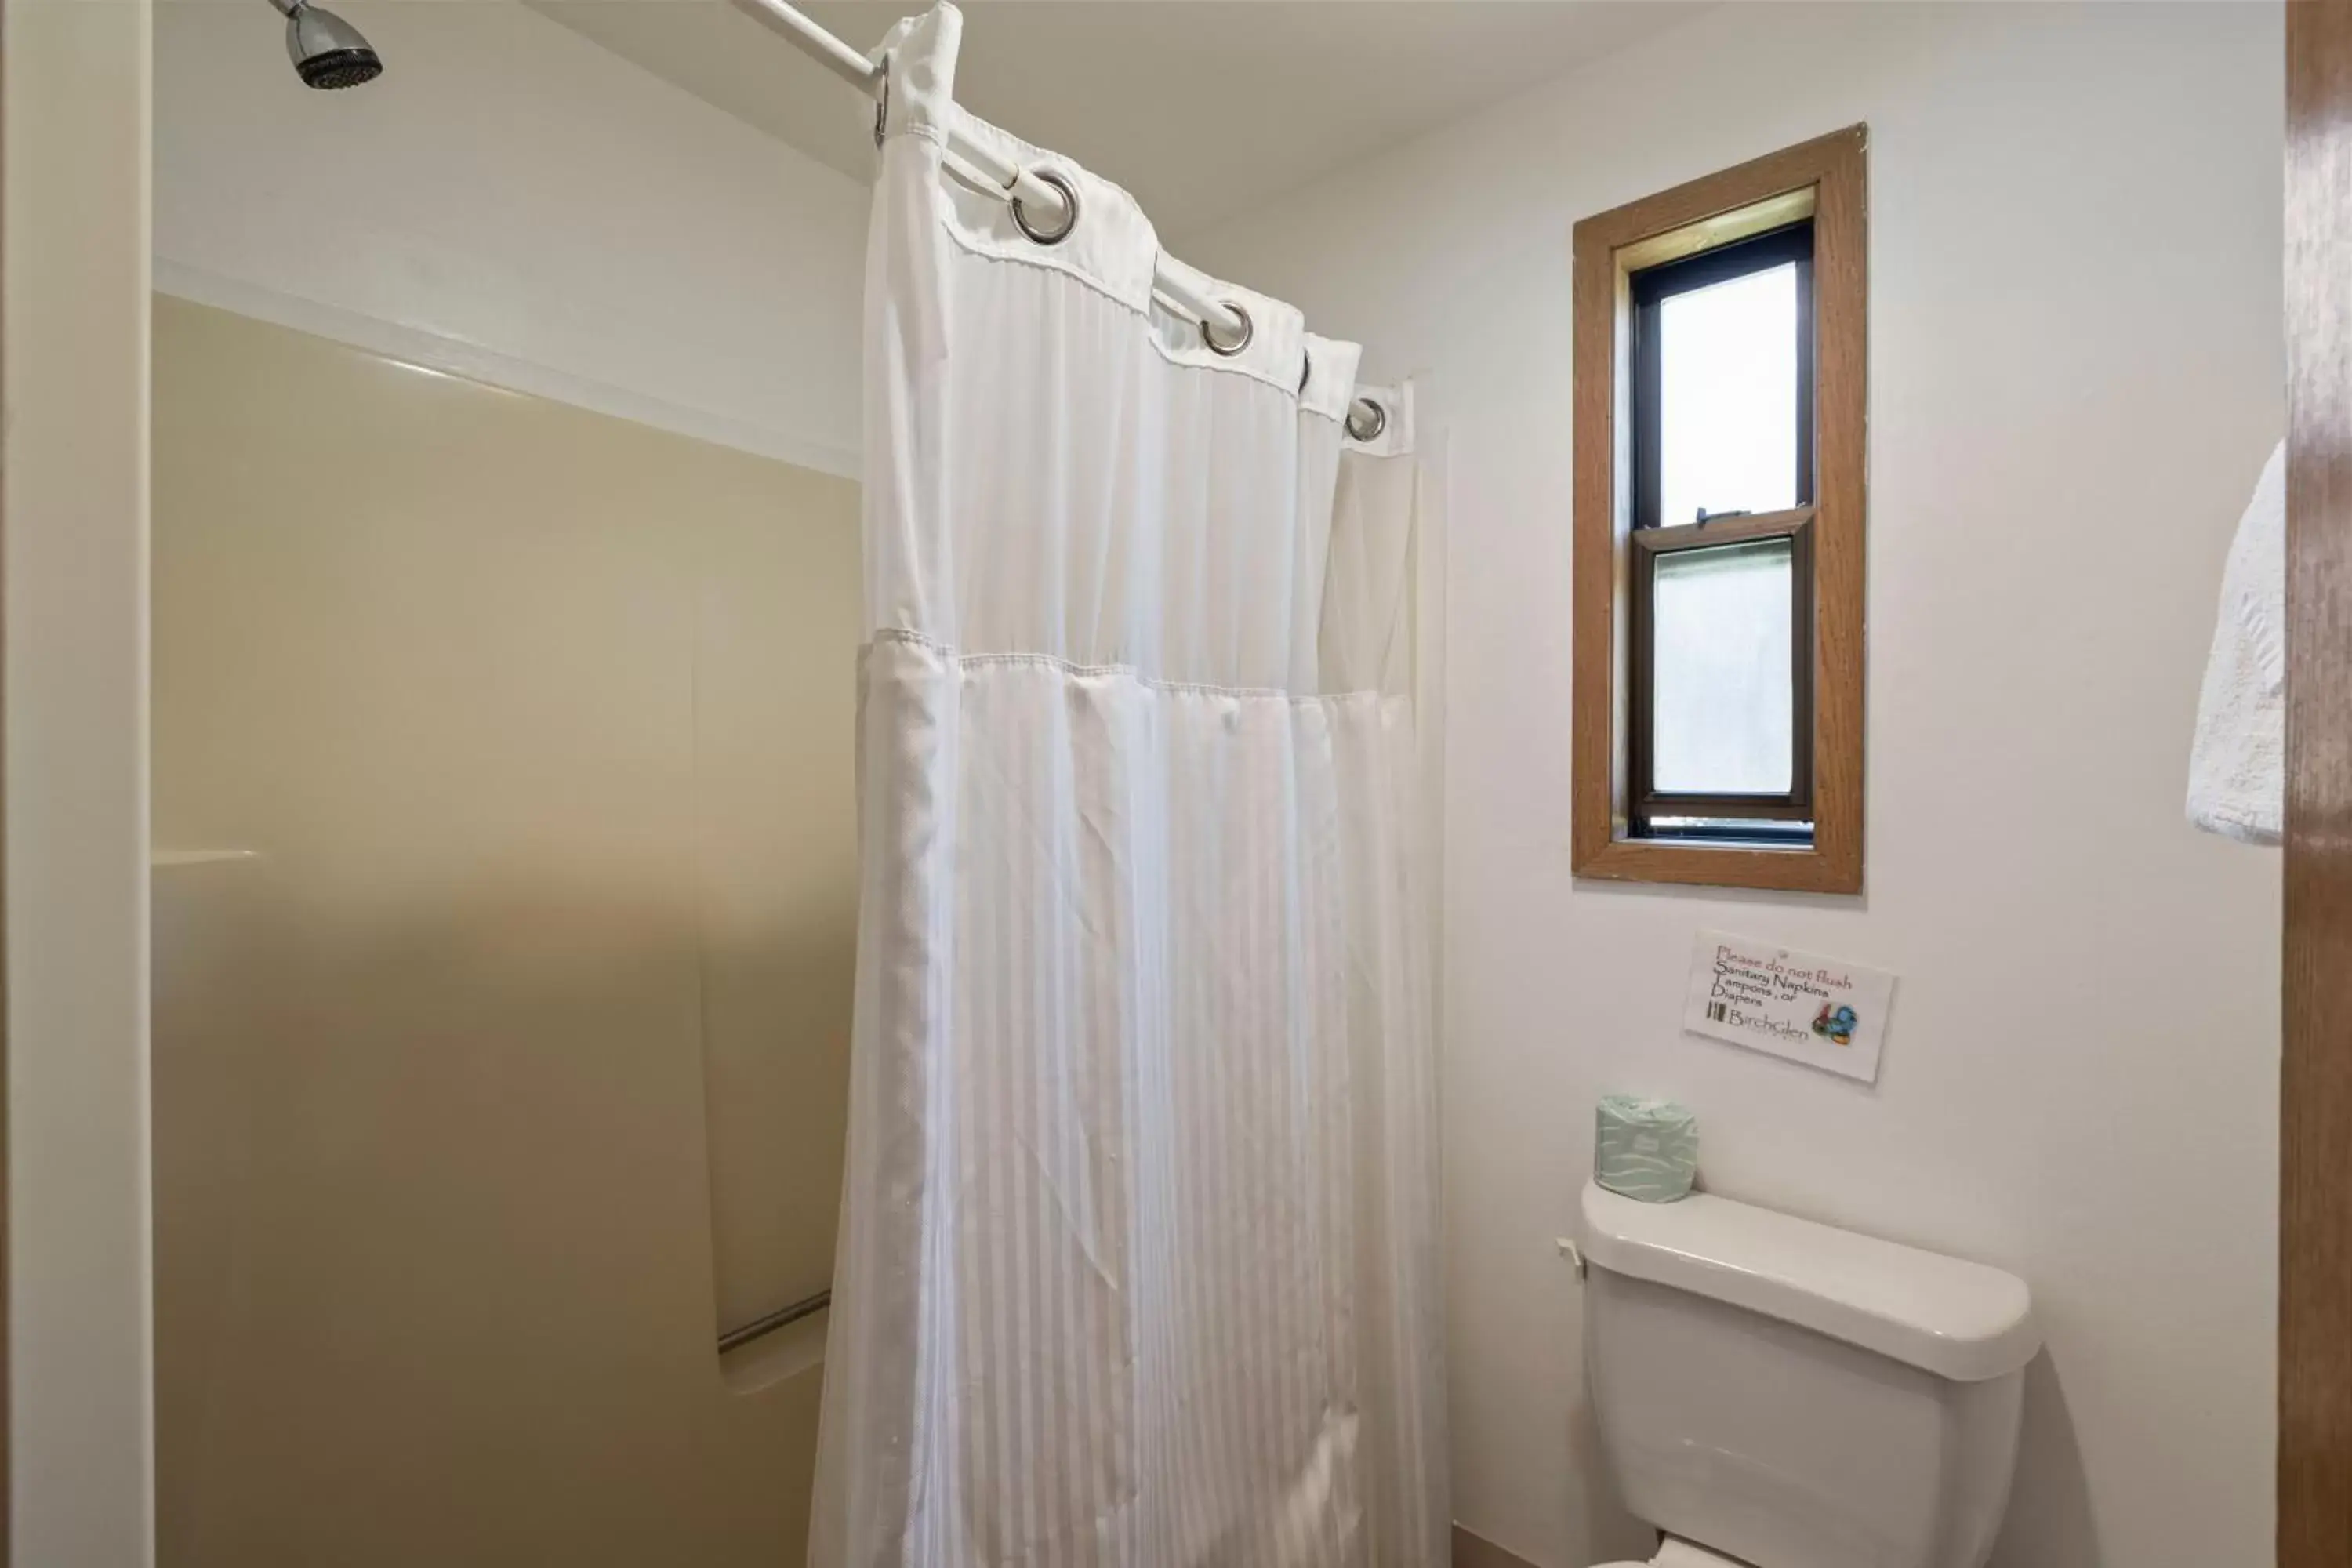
1673, 1554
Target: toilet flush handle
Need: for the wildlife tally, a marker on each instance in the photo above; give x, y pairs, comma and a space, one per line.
1569, 1250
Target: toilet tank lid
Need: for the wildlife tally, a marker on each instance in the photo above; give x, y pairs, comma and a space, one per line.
1959, 1319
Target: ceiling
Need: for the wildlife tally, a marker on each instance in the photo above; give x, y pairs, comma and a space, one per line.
1204, 108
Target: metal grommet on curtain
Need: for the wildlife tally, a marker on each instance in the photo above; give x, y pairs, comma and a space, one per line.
1249, 329
1069, 211
1366, 420
882, 106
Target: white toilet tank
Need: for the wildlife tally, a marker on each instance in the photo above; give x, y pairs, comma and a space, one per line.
1793, 1395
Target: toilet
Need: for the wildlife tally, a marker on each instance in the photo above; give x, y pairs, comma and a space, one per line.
1776, 1393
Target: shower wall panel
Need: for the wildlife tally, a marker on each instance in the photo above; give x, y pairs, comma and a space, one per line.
504, 909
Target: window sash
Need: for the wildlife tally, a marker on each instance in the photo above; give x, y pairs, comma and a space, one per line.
1647, 802
1653, 286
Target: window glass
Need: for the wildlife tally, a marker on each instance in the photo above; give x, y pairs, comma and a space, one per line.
1728, 396
1721, 699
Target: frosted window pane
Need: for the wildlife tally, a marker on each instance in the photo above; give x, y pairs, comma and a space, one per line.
1728, 396
1721, 702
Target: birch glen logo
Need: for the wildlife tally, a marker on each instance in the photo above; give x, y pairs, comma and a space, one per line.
1835, 1024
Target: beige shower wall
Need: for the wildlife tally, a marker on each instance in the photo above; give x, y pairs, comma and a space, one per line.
511, 1064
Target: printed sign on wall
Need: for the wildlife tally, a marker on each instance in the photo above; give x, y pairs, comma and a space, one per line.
1820, 1011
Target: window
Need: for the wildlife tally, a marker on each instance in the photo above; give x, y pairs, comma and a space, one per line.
1718, 430
1719, 646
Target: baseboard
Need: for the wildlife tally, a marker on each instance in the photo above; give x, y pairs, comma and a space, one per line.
1476, 1552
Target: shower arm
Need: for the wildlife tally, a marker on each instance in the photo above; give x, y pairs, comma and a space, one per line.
1031, 194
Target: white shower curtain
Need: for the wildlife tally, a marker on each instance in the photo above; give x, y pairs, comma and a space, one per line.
1138, 1262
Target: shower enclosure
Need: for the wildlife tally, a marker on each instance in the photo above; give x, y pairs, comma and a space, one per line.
504, 905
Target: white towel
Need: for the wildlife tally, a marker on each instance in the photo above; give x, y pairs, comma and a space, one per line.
2236, 773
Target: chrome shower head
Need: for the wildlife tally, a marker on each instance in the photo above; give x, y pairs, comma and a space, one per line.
327, 51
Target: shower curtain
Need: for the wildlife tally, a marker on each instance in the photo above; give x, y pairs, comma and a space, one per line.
1138, 1262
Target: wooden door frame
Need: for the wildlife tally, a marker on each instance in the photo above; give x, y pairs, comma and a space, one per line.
8, 1231
2314, 1406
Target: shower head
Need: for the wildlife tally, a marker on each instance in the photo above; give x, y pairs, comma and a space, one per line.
327, 51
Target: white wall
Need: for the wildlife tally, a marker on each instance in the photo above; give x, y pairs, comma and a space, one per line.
73, 466
511, 202
2076, 375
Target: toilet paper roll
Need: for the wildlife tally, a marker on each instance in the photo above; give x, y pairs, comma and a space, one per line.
1645, 1149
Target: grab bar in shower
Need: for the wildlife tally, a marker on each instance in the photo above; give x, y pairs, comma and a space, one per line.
807, 1306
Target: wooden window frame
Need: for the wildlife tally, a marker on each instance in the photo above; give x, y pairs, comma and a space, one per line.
1823, 181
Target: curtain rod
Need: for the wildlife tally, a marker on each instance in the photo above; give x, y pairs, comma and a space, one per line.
1033, 193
